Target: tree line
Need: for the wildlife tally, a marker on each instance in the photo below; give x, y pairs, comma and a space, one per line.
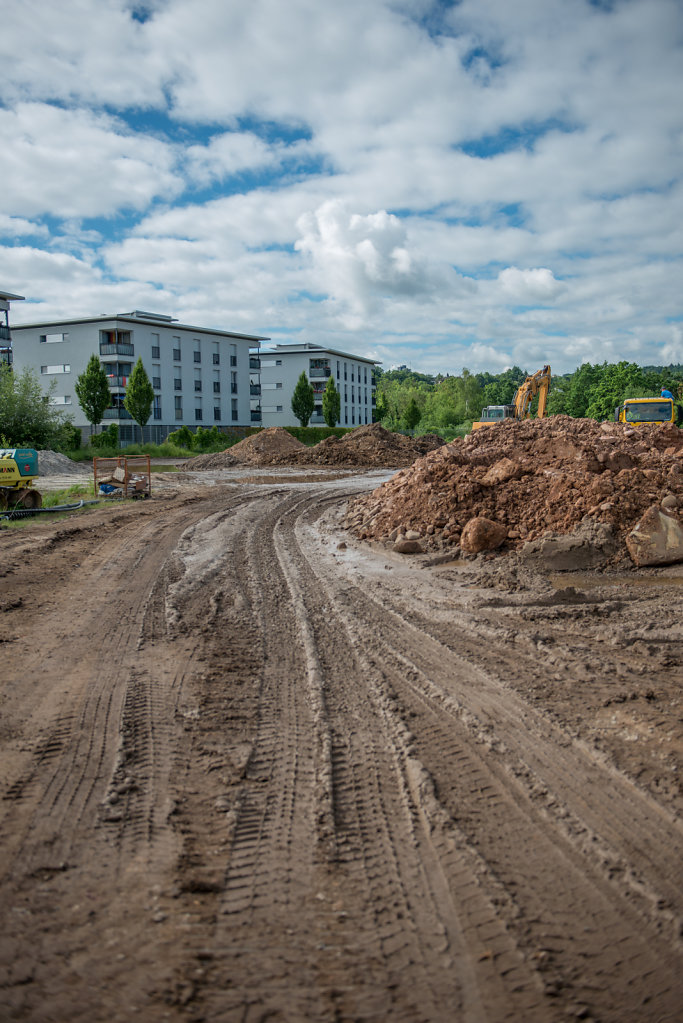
407, 400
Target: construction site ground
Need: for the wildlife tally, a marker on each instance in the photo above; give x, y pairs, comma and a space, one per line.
255, 768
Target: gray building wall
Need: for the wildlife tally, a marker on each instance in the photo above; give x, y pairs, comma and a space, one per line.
201, 377
282, 366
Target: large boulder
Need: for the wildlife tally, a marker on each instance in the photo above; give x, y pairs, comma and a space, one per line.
482, 534
588, 546
657, 539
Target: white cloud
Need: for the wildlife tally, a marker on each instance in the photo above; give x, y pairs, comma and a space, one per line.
76, 163
529, 286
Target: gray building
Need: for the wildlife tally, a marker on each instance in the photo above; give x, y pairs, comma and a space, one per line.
200, 376
5, 335
282, 366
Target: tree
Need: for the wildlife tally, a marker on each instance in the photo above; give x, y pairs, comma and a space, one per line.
139, 395
303, 400
27, 416
412, 415
331, 403
92, 390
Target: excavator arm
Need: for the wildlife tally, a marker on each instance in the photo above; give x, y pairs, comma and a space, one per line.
537, 384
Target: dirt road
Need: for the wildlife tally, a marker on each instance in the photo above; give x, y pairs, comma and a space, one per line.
249, 774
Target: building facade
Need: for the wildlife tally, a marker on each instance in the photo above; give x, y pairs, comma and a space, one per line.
200, 376
5, 335
282, 366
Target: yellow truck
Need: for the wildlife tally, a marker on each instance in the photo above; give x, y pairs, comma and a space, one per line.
648, 411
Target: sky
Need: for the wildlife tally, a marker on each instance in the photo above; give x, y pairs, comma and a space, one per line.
442, 185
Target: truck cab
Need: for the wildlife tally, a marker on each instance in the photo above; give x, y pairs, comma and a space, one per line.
494, 414
645, 411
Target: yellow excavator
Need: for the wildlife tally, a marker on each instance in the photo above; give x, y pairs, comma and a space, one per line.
536, 384
649, 411
18, 470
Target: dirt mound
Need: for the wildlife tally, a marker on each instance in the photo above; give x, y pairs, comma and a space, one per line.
370, 445
211, 460
272, 446
52, 463
535, 478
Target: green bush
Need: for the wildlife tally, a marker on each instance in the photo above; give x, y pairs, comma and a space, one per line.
108, 438
182, 438
314, 434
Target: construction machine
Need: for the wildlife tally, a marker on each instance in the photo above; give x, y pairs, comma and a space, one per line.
18, 470
649, 412
536, 384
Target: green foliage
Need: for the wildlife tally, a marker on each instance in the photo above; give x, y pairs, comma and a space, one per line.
139, 395
27, 416
331, 403
412, 415
108, 438
182, 438
209, 439
314, 434
92, 389
70, 439
303, 400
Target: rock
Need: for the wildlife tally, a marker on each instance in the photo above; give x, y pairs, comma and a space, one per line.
481, 534
503, 470
657, 539
588, 546
412, 534
669, 503
408, 547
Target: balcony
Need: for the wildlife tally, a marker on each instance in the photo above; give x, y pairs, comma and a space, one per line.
254, 362
115, 381
4, 333
116, 413
319, 373
119, 349
254, 388
256, 415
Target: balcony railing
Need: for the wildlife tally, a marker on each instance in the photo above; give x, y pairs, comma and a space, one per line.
254, 388
4, 333
117, 381
117, 349
116, 413
319, 373
256, 415
254, 362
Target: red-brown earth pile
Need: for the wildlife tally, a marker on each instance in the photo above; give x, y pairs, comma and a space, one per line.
370, 445
530, 478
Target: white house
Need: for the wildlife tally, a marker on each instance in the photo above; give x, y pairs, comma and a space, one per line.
282, 366
200, 376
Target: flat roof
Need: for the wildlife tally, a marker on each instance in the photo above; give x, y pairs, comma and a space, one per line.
153, 319
310, 349
8, 296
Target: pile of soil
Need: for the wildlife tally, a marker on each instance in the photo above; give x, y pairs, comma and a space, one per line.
52, 463
272, 446
370, 445
532, 478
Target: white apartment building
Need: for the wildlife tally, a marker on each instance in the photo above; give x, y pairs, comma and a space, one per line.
200, 376
282, 366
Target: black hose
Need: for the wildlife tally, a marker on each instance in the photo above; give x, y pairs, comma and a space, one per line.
25, 513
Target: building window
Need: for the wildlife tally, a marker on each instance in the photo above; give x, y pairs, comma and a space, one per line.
233, 383
353, 418
156, 383
278, 408
178, 384
217, 412
197, 386
233, 360
216, 358
157, 406
197, 414
216, 387
55, 369
156, 352
51, 339
197, 356
57, 400
178, 407
176, 355
345, 374
278, 362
